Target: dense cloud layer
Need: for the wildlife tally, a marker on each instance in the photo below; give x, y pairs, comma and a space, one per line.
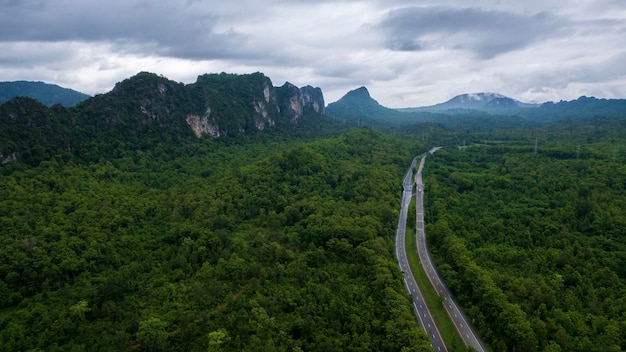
483, 32
406, 55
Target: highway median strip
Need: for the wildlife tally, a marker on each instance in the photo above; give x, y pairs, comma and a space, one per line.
433, 300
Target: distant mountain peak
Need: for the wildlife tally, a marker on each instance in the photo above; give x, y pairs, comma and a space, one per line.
502, 102
358, 105
484, 96
48, 94
361, 91
358, 96
476, 101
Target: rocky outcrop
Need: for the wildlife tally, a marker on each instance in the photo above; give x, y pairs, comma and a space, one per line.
262, 117
250, 102
314, 98
215, 106
202, 126
294, 101
8, 158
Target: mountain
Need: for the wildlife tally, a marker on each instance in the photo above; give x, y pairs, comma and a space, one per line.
475, 101
586, 107
358, 106
148, 110
216, 105
469, 112
48, 94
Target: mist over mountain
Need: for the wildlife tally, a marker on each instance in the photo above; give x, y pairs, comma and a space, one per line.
358, 107
475, 101
231, 214
471, 111
48, 94
147, 110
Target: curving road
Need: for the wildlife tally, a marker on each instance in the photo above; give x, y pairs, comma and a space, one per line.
421, 310
470, 338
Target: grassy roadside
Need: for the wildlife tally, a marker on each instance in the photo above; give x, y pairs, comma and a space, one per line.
446, 328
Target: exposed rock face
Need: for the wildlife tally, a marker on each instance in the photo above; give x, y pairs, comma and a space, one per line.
262, 118
216, 105
266, 93
8, 158
146, 108
313, 97
162, 88
296, 101
266, 104
201, 125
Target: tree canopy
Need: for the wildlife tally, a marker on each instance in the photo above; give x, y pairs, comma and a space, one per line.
225, 249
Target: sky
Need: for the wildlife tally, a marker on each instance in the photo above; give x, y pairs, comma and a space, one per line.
407, 53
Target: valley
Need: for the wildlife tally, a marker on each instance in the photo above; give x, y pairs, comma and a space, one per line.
230, 214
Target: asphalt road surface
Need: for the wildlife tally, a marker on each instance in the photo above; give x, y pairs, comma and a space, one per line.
470, 338
421, 310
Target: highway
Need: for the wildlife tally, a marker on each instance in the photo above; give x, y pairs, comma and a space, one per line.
421, 310
470, 338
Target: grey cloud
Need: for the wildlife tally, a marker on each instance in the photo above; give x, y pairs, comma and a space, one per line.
607, 70
329, 43
161, 28
485, 33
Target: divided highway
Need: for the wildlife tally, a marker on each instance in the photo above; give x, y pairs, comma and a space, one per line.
469, 337
421, 310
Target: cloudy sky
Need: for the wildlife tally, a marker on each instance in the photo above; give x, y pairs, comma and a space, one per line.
407, 53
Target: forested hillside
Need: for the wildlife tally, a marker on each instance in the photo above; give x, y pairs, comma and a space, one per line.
466, 114
533, 241
240, 247
151, 112
232, 215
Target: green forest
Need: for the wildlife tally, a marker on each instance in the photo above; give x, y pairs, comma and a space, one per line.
532, 239
122, 228
216, 248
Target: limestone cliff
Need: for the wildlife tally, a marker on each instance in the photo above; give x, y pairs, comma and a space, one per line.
244, 103
215, 106
294, 101
149, 110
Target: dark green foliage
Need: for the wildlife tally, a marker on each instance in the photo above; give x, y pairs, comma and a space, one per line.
31, 132
148, 112
581, 108
357, 107
208, 247
48, 94
532, 244
120, 229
